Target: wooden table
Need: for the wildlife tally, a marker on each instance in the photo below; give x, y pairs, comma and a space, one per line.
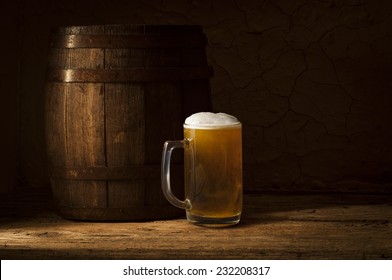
273, 226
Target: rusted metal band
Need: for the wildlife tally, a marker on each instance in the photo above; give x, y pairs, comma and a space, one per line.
129, 41
129, 75
107, 172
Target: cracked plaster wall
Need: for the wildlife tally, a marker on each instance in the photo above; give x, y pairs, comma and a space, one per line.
310, 80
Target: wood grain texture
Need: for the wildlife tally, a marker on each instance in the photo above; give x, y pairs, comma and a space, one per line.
273, 226
116, 120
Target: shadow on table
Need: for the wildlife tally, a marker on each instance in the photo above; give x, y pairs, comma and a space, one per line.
264, 208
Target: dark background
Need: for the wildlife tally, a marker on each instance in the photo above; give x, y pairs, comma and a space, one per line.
311, 82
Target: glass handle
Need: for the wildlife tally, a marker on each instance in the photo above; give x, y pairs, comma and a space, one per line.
168, 148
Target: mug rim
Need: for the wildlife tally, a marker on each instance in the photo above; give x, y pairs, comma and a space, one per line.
213, 126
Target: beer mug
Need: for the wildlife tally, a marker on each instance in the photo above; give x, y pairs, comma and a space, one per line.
213, 169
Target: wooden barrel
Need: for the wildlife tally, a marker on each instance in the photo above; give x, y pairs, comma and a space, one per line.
114, 94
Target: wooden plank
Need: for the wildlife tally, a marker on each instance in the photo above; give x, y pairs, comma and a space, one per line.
125, 141
125, 127
75, 127
272, 227
85, 142
75, 138
85, 125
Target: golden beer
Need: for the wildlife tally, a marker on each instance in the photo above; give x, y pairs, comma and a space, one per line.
213, 169
213, 172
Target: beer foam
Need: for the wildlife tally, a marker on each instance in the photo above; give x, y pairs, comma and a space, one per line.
207, 119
